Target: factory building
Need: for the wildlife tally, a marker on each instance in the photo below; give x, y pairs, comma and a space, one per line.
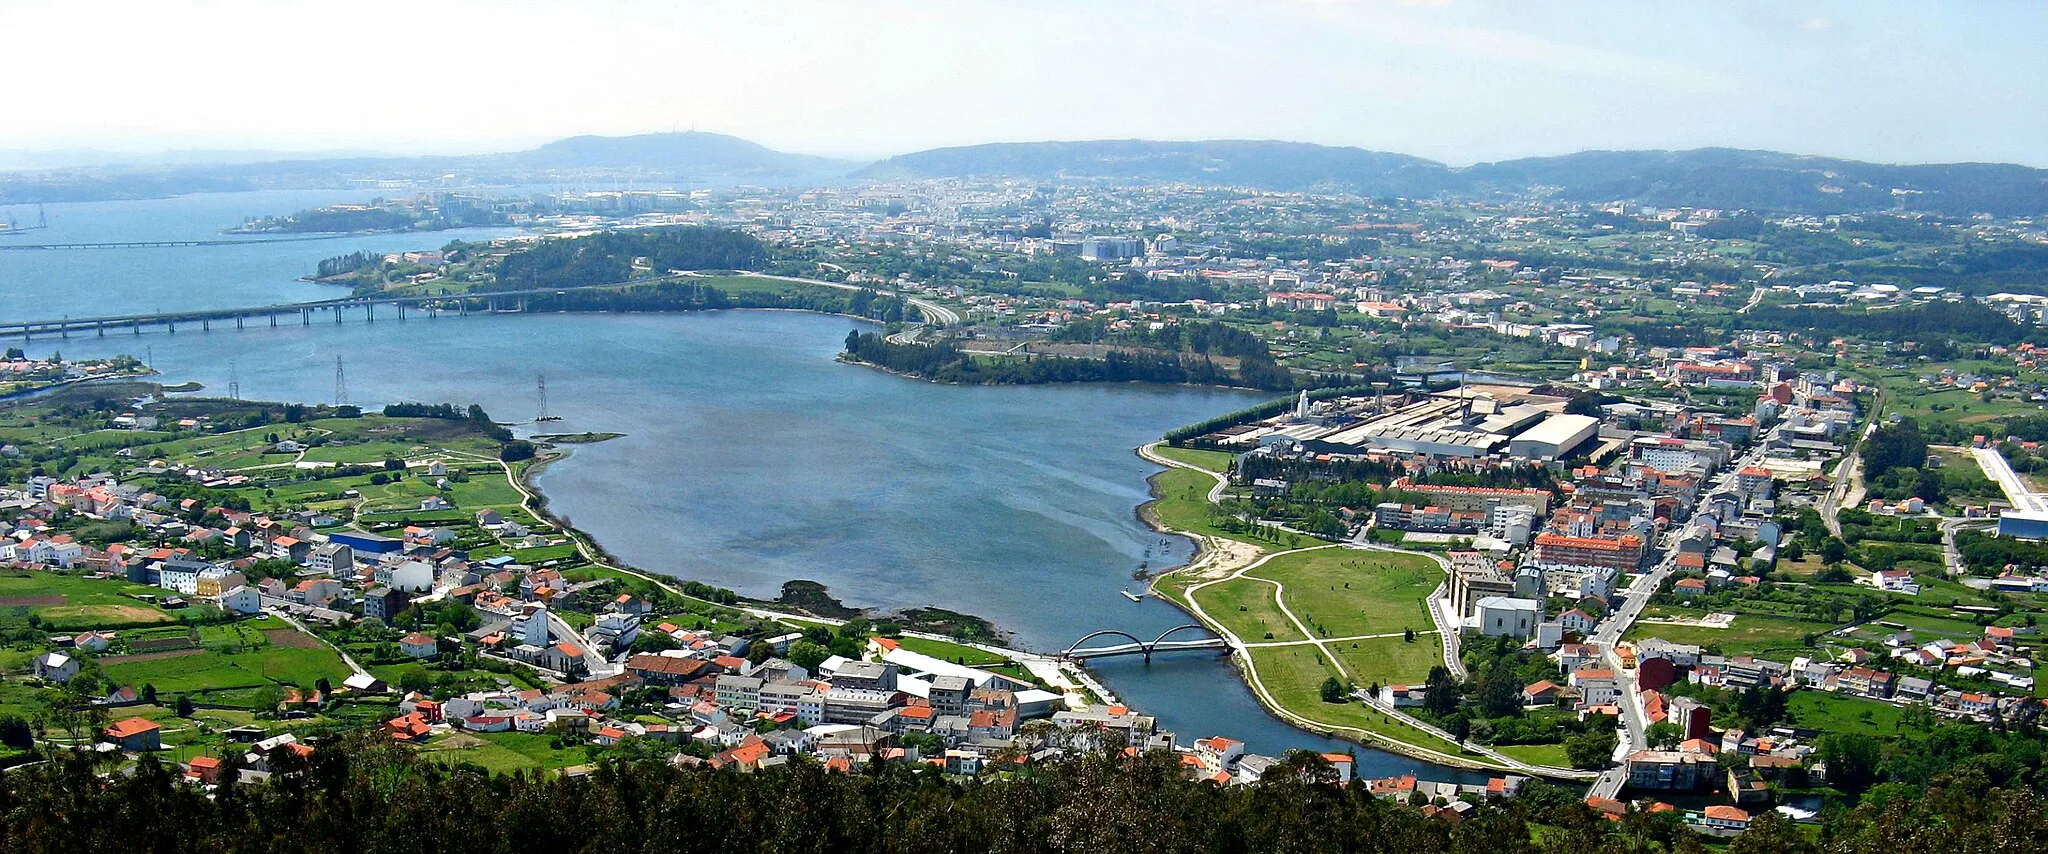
1554, 437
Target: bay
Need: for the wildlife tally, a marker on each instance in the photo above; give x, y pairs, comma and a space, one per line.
752, 457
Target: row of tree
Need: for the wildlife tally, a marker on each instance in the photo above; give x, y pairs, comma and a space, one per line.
367, 795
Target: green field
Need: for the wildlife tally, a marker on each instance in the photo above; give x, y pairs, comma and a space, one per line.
1536, 754
1390, 661
501, 751
87, 602
1841, 713
1183, 505
1247, 608
1294, 676
1343, 592
237, 660
1752, 634
1216, 461
953, 652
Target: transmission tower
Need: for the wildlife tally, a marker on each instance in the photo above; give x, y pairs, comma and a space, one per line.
340, 384
234, 383
541, 387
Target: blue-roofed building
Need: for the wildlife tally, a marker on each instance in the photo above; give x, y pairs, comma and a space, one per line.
363, 541
2022, 525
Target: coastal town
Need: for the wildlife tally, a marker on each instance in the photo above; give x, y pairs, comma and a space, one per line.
1586, 495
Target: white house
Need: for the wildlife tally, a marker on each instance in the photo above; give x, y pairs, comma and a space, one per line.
240, 599
1504, 615
56, 667
419, 645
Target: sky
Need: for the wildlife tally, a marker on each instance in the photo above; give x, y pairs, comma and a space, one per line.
1461, 81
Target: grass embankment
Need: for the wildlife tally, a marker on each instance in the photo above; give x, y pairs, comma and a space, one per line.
1215, 461
1294, 675
1183, 505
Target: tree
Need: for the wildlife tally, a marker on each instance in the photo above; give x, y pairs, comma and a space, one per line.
1928, 486
1852, 760
1444, 693
808, 654
185, 707
516, 450
1664, 735
1833, 550
1333, 690
1591, 750
149, 693
1407, 635
1500, 691
15, 732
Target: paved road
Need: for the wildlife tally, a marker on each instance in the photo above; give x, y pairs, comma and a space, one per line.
1634, 730
933, 312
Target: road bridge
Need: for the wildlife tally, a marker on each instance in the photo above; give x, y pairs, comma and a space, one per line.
164, 244
304, 313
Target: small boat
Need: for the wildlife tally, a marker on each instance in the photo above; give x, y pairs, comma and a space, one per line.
1131, 596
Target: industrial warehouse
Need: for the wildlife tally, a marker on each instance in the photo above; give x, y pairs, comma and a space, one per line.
1461, 423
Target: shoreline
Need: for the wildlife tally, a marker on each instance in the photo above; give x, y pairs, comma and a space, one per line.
1205, 551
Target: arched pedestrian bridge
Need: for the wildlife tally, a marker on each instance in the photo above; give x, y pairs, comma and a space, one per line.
1137, 646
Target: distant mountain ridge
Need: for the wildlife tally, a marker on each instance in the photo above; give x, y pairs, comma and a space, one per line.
688, 157
1705, 177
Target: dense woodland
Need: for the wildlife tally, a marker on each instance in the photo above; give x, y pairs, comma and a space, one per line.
370, 796
945, 362
608, 256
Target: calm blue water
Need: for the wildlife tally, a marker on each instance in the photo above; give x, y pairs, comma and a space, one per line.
49, 285
751, 456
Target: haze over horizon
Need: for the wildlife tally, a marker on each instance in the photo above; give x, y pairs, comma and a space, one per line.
1459, 81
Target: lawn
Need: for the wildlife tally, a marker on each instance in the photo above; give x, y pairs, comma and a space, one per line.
1216, 461
1246, 607
1537, 754
220, 677
1390, 660
1342, 592
1844, 714
66, 601
953, 652
1294, 676
1750, 635
501, 751
1183, 504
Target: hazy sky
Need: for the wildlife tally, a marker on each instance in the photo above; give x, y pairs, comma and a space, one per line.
1458, 80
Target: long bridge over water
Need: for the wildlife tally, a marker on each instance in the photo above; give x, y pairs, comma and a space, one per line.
165, 244
306, 313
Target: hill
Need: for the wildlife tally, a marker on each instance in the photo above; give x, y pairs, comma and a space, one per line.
681, 157
1706, 177
691, 151
1253, 163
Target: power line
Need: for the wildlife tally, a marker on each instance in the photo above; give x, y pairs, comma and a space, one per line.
234, 383
541, 382
340, 383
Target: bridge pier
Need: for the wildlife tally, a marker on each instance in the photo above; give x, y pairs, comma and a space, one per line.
136, 327
273, 320
64, 331
370, 312
171, 326
101, 327
205, 325
238, 321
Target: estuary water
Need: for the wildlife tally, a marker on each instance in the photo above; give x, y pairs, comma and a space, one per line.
751, 456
